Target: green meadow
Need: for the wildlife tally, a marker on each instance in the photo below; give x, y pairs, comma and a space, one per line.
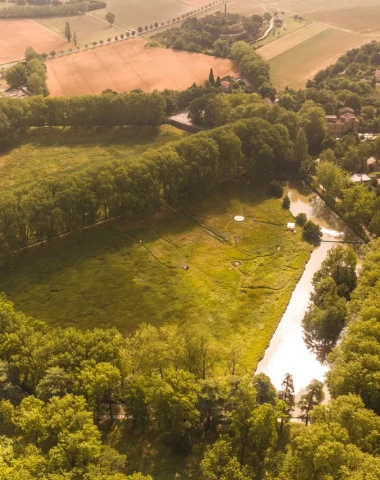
45, 153
240, 276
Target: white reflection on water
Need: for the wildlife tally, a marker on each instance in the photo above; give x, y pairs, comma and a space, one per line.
287, 352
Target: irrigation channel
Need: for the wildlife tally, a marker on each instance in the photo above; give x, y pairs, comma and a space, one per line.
287, 351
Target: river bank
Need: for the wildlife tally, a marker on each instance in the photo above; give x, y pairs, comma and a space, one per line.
287, 351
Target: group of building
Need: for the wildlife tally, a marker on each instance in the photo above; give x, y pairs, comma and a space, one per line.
343, 123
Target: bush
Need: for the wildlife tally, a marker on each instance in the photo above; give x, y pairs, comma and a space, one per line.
275, 189
312, 232
286, 202
301, 219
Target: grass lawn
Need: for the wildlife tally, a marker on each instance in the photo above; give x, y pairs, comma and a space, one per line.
106, 277
44, 153
295, 66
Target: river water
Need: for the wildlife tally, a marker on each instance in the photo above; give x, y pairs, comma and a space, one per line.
287, 351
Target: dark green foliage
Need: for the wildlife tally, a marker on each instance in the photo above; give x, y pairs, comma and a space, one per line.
301, 219
286, 202
312, 232
275, 189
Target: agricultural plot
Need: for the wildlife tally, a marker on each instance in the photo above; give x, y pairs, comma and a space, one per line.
87, 28
17, 34
127, 65
245, 7
132, 13
280, 46
361, 16
44, 154
295, 66
240, 276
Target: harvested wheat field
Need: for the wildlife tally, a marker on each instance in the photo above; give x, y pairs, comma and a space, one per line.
16, 35
289, 41
127, 65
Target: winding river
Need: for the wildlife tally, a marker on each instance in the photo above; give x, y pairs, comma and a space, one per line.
287, 351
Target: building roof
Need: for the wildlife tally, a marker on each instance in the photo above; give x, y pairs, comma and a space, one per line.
360, 177
344, 110
371, 161
225, 83
279, 17
291, 226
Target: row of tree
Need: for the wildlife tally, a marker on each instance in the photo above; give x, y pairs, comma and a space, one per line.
31, 11
193, 165
82, 111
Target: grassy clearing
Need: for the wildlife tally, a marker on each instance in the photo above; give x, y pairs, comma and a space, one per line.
291, 25
44, 152
295, 66
112, 279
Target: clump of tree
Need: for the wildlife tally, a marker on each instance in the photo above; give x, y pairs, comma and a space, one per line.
214, 33
31, 74
110, 17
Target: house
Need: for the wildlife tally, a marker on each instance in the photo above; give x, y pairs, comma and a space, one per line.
371, 161
291, 227
345, 110
360, 177
279, 20
346, 123
225, 84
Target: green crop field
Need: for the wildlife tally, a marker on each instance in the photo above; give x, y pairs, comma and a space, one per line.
295, 66
44, 152
240, 276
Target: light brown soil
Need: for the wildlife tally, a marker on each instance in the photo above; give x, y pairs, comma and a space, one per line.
127, 65
17, 34
283, 44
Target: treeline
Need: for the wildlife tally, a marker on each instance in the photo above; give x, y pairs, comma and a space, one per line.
254, 69
31, 74
177, 385
355, 366
31, 11
193, 165
82, 111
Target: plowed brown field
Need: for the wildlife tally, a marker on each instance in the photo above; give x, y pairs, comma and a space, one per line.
127, 65
16, 35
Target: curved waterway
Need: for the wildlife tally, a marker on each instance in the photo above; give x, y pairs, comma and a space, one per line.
287, 351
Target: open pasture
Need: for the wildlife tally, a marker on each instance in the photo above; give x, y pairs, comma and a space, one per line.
46, 153
17, 34
127, 65
295, 66
240, 276
244, 7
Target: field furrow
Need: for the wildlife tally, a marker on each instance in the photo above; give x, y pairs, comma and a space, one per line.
289, 41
